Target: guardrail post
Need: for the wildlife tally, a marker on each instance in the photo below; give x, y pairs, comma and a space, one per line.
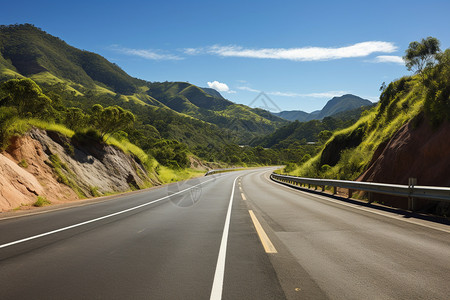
323, 188
350, 193
334, 190
370, 197
411, 201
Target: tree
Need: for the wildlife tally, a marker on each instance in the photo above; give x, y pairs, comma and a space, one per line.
324, 135
111, 119
27, 97
75, 118
421, 55
437, 83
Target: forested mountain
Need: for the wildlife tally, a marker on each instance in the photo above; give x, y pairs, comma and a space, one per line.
314, 131
28, 51
172, 118
334, 106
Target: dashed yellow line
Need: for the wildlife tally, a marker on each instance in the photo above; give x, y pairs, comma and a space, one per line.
243, 196
265, 241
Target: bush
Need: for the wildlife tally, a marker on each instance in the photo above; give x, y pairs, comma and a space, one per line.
87, 136
23, 163
41, 201
290, 167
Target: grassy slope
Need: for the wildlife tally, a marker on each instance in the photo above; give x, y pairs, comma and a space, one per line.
404, 102
155, 170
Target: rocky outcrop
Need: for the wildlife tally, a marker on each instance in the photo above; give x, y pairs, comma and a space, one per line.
61, 170
417, 150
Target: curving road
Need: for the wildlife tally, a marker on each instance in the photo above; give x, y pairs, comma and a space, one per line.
234, 235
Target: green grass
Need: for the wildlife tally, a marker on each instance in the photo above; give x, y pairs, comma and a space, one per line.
149, 162
380, 124
50, 79
6, 73
94, 191
167, 175
21, 126
41, 201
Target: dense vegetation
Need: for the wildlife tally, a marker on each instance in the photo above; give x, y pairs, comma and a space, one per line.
169, 120
347, 153
45, 82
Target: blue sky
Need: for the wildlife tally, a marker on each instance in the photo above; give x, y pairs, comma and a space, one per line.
300, 53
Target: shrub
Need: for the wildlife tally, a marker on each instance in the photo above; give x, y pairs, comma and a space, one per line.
23, 163
41, 201
87, 136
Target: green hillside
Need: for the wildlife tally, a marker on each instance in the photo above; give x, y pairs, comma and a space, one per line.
348, 152
58, 67
28, 50
169, 115
188, 99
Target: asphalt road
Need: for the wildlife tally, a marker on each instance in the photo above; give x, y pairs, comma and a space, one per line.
234, 235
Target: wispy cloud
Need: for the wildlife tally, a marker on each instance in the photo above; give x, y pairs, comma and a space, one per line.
145, 53
329, 94
298, 54
389, 59
246, 88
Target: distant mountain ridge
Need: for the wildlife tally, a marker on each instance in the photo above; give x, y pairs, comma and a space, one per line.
334, 106
27, 51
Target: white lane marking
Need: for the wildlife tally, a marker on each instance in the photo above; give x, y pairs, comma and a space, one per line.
216, 291
395, 217
96, 219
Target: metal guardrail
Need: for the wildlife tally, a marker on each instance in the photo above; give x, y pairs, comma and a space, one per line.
410, 191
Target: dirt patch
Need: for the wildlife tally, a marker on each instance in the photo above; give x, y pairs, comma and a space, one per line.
51, 165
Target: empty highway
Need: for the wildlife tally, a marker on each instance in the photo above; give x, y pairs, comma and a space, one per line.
235, 235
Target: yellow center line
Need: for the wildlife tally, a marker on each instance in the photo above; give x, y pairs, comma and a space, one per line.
265, 241
243, 196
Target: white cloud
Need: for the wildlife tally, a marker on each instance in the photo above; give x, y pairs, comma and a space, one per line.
329, 94
147, 54
298, 54
192, 51
220, 87
389, 59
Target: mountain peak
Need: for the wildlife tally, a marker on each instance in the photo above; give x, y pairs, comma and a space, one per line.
336, 105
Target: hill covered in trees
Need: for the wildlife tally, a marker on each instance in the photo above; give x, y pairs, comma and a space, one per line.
169, 116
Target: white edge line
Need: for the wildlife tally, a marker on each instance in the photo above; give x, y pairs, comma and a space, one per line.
95, 220
216, 291
395, 217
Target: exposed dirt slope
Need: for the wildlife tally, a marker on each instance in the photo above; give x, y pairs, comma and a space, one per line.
50, 163
417, 150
